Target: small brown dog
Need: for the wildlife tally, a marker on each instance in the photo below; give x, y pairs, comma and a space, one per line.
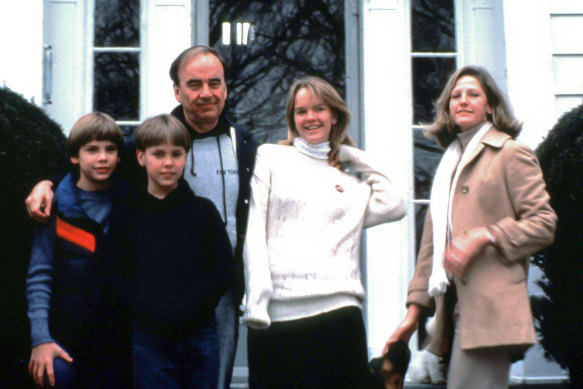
389, 371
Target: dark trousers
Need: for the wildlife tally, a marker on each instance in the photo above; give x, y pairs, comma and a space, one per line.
66, 374
91, 373
160, 362
100, 360
227, 315
324, 351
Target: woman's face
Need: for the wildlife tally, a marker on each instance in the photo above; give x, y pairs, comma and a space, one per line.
468, 104
313, 117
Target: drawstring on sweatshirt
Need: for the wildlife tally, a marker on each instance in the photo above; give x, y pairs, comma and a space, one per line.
192, 160
223, 181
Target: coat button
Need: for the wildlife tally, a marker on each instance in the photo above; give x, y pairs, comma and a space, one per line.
246, 201
465, 189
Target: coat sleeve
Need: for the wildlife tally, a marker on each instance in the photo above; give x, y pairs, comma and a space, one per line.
386, 201
534, 224
418, 287
258, 283
39, 282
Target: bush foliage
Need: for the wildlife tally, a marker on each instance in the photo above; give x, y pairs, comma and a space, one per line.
32, 147
560, 313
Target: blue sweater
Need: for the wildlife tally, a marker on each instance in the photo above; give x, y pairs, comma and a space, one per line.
62, 263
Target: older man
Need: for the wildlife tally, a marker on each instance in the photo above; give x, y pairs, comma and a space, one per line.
219, 168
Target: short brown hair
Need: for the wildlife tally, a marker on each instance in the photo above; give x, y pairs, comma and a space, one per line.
162, 129
325, 91
502, 116
93, 126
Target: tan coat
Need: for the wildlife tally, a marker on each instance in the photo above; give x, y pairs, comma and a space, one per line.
502, 187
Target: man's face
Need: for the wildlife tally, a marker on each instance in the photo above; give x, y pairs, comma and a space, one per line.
202, 91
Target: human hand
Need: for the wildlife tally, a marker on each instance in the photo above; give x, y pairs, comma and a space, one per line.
406, 327
463, 249
41, 362
334, 160
39, 201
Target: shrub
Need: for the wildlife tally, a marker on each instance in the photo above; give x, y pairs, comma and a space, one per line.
560, 313
32, 147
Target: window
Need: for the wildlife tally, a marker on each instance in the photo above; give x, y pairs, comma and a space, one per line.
433, 59
116, 61
269, 44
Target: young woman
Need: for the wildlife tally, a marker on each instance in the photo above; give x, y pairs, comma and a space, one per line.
489, 212
311, 198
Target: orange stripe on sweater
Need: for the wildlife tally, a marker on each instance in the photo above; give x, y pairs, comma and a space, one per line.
75, 235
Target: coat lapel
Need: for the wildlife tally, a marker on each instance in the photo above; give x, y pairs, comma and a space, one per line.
492, 138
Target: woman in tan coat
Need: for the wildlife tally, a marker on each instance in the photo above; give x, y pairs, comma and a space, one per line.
489, 212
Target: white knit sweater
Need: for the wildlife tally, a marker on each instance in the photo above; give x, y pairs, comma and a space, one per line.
305, 222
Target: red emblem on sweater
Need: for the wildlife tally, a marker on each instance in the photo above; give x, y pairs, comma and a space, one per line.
339, 188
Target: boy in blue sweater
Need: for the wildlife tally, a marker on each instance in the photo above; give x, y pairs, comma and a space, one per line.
176, 263
66, 347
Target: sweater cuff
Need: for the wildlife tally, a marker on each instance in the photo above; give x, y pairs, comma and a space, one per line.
39, 332
256, 319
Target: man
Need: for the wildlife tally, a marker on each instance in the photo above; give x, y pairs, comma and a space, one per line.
219, 167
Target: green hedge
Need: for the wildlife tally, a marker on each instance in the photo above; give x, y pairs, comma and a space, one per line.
560, 313
32, 146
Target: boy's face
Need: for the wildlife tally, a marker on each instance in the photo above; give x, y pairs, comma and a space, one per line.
164, 165
97, 161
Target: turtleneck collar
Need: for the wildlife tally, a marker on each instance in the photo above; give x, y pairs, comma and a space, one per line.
466, 136
221, 128
318, 151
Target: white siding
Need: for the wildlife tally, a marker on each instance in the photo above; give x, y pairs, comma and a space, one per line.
567, 48
568, 74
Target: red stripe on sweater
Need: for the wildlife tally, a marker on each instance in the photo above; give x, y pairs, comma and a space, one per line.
75, 235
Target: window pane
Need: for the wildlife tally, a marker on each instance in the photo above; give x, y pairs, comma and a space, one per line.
116, 85
285, 40
427, 155
117, 23
429, 78
432, 25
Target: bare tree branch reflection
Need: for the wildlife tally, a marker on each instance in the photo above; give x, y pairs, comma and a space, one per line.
289, 40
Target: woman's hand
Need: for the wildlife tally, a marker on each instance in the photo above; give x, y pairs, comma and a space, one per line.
39, 201
406, 328
463, 249
41, 362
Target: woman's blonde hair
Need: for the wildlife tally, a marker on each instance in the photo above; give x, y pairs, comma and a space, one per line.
325, 91
445, 129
